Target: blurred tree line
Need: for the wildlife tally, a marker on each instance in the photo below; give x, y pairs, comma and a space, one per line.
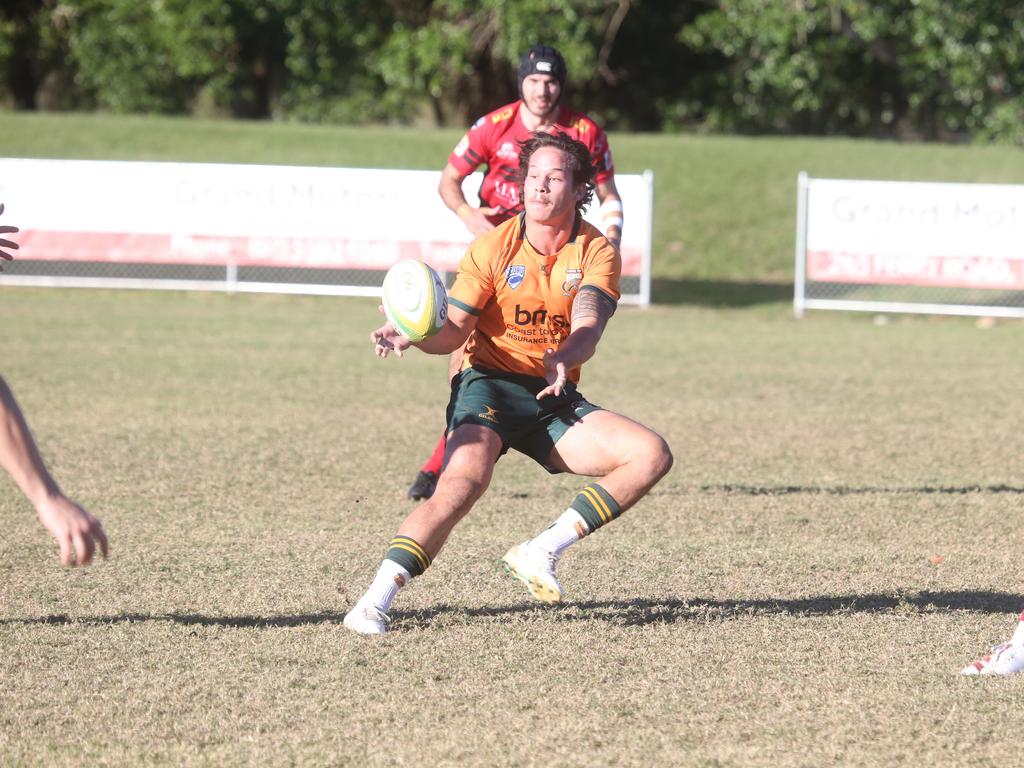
929, 69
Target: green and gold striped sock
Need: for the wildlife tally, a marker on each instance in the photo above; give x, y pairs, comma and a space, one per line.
596, 506
408, 554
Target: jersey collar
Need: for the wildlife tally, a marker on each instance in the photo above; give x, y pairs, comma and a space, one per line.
577, 223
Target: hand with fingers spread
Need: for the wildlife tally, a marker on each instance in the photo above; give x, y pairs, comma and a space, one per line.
5, 243
556, 374
76, 530
387, 339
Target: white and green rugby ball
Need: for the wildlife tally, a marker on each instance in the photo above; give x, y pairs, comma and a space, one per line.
414, 299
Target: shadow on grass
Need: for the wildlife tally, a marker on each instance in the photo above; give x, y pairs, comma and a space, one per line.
189, 619
844, 490
719, 293
639, 612
670, 610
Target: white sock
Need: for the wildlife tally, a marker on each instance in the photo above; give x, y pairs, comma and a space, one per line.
390, 578
569, 528
1018, 633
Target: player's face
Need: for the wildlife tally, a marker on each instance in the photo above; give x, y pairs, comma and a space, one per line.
540, 94
548, 191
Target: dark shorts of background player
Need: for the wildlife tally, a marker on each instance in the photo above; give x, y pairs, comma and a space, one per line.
507, 403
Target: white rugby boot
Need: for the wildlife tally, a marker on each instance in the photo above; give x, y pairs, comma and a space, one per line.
536, 569
367, 619
1004, 659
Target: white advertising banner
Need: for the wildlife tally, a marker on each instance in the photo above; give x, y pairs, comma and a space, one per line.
911, 233
254, 215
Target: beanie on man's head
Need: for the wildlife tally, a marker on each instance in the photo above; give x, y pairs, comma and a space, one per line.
542, 60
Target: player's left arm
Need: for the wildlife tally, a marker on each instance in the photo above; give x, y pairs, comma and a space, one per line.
604, 185
591, 310
611, 210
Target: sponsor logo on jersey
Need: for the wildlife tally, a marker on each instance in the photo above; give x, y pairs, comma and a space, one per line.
478, 123
507, 151
505, 114
572, 281
539, 317
462, 146
514, 275
582, 125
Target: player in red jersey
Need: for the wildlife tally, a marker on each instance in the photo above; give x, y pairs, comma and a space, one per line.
494, 141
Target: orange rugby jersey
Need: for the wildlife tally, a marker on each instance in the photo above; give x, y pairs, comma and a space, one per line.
523, 299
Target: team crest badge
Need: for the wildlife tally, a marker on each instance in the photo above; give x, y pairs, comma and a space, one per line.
514, 275
572, 281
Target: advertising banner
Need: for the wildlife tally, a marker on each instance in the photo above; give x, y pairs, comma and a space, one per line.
253, 215
921, 234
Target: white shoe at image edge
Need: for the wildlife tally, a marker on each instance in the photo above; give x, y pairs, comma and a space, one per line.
1005, 659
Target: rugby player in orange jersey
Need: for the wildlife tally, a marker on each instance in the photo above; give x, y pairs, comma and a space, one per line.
493, 141
532, 298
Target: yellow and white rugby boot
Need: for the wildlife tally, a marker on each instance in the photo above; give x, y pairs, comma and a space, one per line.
536, 569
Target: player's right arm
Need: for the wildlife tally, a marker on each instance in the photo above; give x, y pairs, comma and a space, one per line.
452, 336
450, 189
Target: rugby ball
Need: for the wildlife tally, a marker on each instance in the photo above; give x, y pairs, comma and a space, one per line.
414, 299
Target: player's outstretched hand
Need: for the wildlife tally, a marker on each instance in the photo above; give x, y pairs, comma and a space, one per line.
4, 243
386, 340
555, 373
76, 530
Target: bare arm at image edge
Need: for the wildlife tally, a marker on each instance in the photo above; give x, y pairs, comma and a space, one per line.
76, 530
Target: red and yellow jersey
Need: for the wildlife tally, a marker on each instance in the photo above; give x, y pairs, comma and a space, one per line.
523, 300
493, 140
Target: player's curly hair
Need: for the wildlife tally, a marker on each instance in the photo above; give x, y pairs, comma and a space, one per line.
580, 164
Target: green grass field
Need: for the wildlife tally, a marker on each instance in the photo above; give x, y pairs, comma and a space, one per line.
776, 601
836, 540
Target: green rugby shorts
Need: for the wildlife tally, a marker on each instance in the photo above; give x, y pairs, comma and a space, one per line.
507, 403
